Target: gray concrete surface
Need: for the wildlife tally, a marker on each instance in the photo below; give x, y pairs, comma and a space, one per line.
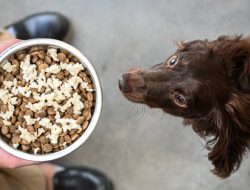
142, 149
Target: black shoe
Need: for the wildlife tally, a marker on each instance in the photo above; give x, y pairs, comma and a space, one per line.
41, 25
81, 178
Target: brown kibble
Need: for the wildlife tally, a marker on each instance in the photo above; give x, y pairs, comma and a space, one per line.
88, 104
4, 108
39, 62
87, 114
67, 139
23, 82
15, 62
17, 132
70, 56
11, 57
66, 73
24, 142
15, 71
9, 136
24, 125
23, 107
20, 76
90, 96
79, 130
13, 119
30, 113
68, 116
51, 118
90, 86
5, 130
48, 75
48, 60
86, 79
85, 125
63, 134
25, 100
33, 90
72, 131
42, 66
21, 114
40, 113
78, 90
18, 123
80, 120
43, 140
41, 55
42, 90
25, 147
17, 111
21, 57
55, 145
19, 83
75, 60
33, 49
19, 102
1, 76
16, 139
9, 77
70, 110
36, 144
12, 128
82, 89
74, 136
32, 100
51, 111
37, 125
31, 129
34, 59
62, 56
45, 108
47, 148
82, 74
61, 140
76, 116
60, 75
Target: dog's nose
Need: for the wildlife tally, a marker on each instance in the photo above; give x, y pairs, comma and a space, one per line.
123, 84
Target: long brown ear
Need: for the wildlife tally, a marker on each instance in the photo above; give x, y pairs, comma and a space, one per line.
231, 138
236, 56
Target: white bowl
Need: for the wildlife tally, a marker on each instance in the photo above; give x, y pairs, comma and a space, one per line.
98, 102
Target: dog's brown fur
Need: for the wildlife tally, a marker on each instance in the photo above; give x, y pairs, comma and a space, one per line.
209, 86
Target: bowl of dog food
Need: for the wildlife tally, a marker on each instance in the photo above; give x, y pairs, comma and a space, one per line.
50, 99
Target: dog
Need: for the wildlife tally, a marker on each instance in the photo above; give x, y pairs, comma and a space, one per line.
208, 84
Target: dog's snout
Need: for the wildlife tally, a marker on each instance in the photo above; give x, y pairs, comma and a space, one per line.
123, 84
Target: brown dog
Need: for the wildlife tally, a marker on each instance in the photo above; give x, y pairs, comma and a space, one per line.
208, 84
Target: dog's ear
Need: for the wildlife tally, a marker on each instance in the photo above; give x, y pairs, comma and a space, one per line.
231, 136
236, 56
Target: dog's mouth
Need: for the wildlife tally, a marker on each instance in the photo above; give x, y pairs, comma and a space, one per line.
134, 97
128, 92
131, 85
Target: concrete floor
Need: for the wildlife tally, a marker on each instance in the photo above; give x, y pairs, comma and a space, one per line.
142, 150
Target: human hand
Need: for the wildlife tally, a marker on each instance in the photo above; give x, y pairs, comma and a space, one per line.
7, 160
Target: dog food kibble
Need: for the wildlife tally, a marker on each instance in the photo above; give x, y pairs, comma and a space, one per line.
46, 100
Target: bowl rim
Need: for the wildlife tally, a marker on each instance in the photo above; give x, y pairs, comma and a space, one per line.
98, 102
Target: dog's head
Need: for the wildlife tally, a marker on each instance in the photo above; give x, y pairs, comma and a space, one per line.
205, 82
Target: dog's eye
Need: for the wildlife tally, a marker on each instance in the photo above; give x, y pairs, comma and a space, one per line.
180, 100
172, 61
